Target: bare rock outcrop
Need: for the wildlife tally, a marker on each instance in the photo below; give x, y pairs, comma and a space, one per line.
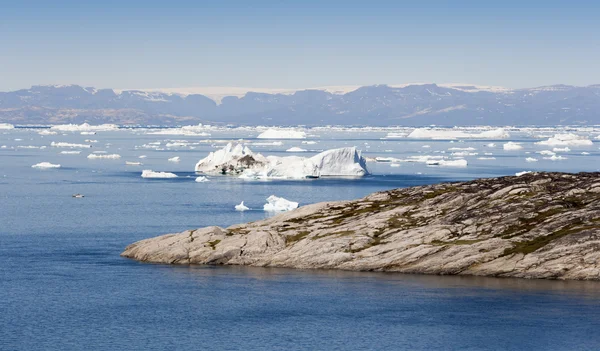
538, 225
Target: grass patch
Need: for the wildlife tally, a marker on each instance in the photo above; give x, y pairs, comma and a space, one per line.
456, 242
213, 243
533, 245
293, 238
438, 192
340, 233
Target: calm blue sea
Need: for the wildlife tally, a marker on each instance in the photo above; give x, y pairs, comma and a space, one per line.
63, 285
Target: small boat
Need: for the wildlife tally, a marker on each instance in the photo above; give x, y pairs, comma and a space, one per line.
78, 195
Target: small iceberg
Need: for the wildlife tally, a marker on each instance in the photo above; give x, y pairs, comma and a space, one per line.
78, 196
566, 140
71, 145
279, 204
129, 163
45, 165
103, 156
295, 149
202, 179
448, 163
241, 207
174, 159
531, 159
147, 173
274, 133
512, 146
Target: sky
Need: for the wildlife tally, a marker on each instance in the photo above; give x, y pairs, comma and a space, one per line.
297, 44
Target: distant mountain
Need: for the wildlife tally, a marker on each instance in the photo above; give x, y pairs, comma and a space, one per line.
379, 105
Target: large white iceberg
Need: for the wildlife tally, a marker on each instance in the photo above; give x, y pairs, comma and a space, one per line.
279, 204
147, 173
566, 140
273, 133
242, 161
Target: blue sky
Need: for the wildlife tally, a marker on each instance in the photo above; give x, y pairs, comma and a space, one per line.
297, 44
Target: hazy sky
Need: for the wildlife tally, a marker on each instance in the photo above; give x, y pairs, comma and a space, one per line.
297, 44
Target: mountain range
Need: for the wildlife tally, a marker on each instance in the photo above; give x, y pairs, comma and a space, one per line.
377, 105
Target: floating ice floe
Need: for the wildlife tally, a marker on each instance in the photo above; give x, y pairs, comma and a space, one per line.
45, 165
69, 152
241, 207
566, 139
547, 152
90, 141
446, 134
88, 133
202, 179
394, 165
71, 145
295, 149
512, 146
242, 161
273, 133
531, 159
6, 126
197, 130
585, 153
279, 204
174, 159
103, 156
85, 127
142, 156
129, 163
561, 149
309, 142
555, 158
147, 173
448, 163
394, 135
47, 132
486, 158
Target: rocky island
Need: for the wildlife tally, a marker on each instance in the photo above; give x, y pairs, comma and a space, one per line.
537, 225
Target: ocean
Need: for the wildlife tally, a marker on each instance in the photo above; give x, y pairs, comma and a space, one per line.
63, 285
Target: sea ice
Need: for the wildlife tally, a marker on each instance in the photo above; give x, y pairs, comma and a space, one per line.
201, 179
295, 149
63, 144
85, 127
566, 139
103, 156
70, 152
279, 204
6, 126
241, 207
174, 159
151, 174
448, 163
446, 134
45, 165
273, 133
531, 159
512, 146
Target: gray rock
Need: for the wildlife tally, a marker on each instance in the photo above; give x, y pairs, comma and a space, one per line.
538, 225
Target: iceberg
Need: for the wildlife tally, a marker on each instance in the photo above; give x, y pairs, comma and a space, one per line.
273, 133
279, 204
71, 145
129, 163
566, 140
101, 156
446, 134
70, 152
531, 159
518, 174
47, 132
201, 179
241, 207
147, 173
45, 165
242, 161
174, 159
6, 126
512, 146
295, 149
85, 127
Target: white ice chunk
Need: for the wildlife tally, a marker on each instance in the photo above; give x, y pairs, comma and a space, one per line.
566, 139
279, 204
202, 179
45, 165
147, 173
71, 145
103, 156
241, 207
531, 159
278, 133
512, 146
6, 126
295, 149
174, 159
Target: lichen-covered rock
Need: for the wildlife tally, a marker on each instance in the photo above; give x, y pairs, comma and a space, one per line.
538, 225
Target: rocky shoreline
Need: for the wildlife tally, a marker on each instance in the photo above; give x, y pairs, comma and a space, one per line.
538, 225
